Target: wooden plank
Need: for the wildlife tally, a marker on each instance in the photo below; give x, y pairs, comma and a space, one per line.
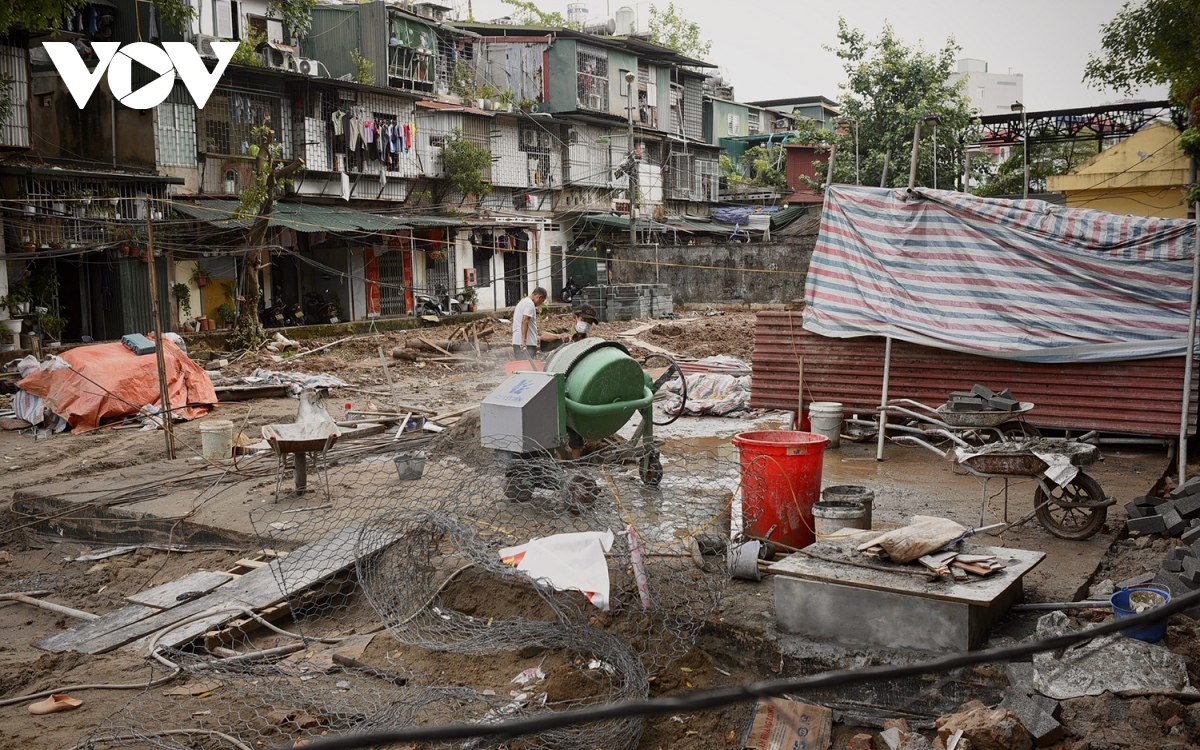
167, 595
243, 563
261, 587
247, 392
71, 638
426, 342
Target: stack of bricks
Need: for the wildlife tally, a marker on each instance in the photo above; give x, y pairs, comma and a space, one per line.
982, 398
1178, 515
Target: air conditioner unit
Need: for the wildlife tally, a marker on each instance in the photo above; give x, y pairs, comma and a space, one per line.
783, 123
308, 67
469, 277
278, 59
204, 44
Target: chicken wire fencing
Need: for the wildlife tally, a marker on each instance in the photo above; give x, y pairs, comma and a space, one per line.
427, 575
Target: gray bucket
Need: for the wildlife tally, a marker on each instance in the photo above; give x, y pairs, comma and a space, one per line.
410, 466
826, 418
831, 515
743, 561
855, 493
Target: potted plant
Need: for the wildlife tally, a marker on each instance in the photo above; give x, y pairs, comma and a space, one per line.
227, 314
201, 277
183, 297
52, 325
468, 298
20, 296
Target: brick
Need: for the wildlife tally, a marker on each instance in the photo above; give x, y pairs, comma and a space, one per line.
1179, 553
1041, 726
1020, 675
1195, 548
1152, 500
1133, 510
1191, 571
1171, 565
1190, 536
1147, 525
1173, 521
1190, 487
1136, 580
1169, 582
1188, 505
1047, 704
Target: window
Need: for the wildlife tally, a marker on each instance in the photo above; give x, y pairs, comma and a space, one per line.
228, 19
708, 180
257, 24
177, 135
754, 123
534, 141
733, 124
592, 79
230, 117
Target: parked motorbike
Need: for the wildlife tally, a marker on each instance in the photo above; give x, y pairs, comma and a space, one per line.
318, 309
293, 315
570, 291
439, 304
273, 316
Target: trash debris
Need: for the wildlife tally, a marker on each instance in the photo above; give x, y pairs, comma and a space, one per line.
710, 394
567, 562
295, 382
55, 703
533, 674
1112, 663
781, 724
985, 728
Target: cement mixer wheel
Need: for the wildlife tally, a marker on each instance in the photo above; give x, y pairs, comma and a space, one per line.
651, 470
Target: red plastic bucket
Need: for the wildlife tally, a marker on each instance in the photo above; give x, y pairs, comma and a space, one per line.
781, 480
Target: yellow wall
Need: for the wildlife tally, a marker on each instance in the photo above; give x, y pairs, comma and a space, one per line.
1142, 175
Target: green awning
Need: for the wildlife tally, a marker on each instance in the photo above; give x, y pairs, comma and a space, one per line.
782, 218
620, 222
302, 217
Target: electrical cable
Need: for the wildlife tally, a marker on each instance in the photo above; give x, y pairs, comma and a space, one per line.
713, 699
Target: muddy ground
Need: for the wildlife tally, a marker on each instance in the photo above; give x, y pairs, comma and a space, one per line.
727, 653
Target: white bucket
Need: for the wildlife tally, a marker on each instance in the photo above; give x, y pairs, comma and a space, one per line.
216, 439
826, 418
831, 515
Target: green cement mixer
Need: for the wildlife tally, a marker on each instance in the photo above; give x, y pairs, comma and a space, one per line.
590, 387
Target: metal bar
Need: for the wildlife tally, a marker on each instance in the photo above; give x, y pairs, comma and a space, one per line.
1189, 354
883, 396
1040, 606
164, 394
595, 410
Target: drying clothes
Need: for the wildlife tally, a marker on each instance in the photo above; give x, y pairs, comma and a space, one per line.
336, 119
369, 128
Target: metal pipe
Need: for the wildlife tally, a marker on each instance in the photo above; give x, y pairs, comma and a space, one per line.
883, 396
1131, 441
60, 609
1060, 605
1190, 353
916, 152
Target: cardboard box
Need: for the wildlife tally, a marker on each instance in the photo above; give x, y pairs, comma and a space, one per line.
781, 724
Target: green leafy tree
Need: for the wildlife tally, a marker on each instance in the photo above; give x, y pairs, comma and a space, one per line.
37, 15
247, 51
1045, 160
464, 163
529, 13
1155, 42
760, 166
669, 28
889, 88
364, 69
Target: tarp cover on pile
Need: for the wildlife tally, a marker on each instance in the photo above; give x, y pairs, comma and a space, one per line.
1023, 280
133, 378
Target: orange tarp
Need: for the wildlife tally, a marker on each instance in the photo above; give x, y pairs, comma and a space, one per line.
133, 378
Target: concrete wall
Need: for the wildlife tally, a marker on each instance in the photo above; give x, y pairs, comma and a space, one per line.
725, 273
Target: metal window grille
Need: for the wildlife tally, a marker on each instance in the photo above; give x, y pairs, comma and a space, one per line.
177, 135
14, 131
592, 74
227, 122
78, 212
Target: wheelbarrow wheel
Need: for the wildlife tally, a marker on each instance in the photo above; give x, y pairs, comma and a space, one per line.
1070, 521
651, 470
1017, 431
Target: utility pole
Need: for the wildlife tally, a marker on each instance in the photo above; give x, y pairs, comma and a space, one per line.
630, 78
163, 392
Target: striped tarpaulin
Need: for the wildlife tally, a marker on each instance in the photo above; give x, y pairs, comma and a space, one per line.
1023, 280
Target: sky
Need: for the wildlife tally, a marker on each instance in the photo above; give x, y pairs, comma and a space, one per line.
776, 48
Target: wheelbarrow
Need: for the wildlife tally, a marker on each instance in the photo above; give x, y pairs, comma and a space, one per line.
1075, 509
963, 427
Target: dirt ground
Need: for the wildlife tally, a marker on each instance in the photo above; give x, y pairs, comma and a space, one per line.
731, 651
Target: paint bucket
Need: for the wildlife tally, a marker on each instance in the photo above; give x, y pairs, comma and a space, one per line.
1126, 602
781, 479
826, 418
743, 561
216, 439
831, 515
854, 493
410, 466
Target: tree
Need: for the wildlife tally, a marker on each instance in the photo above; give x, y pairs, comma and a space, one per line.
670, 29
37, 15
889, 88
529, 13
464, 163
1155, 42
1045, 160
271, 178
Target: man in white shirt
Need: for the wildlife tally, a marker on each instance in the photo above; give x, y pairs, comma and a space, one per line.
525, 333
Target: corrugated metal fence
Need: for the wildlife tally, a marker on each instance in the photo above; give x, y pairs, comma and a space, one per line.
1138, 397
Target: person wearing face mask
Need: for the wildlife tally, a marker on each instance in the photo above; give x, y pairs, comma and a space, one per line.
585, 318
